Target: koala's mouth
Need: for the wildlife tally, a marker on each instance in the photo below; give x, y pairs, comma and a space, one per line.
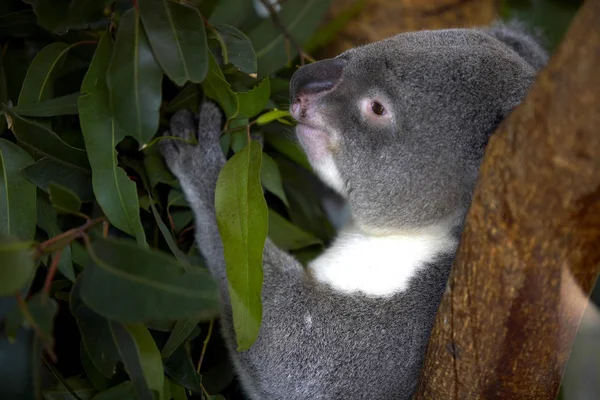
314, 140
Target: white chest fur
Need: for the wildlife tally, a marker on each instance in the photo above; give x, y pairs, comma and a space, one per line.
378, 265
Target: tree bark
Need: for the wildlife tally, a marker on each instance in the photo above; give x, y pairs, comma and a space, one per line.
380, 19
530, 250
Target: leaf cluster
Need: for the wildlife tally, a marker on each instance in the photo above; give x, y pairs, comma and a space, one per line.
101, 287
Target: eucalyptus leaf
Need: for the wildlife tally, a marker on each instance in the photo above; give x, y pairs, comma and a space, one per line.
242, 218
115, 192
95, 332
176, 35
253, 101
16, 265
188, 97
217, 88
166, 233
123, 391
50, 170
63, 200
17, 194
39, 81
47, 220
81, 387
141, 358
44, 140
270, 178
144, 284
40, 316
178, 335
59, 16
288, 236
63, 105
134, 80
236, 48
180, 368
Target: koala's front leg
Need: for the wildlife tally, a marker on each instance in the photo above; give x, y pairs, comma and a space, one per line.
197, 168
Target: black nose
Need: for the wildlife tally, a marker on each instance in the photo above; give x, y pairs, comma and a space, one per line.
316, 77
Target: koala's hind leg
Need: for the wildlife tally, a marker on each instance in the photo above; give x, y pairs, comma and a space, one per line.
197, 167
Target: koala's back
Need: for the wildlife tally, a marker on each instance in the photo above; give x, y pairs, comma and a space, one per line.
317, 343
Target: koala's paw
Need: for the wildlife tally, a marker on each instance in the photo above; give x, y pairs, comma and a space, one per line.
193, 143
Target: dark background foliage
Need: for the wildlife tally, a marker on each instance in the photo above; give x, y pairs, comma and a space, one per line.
103, 293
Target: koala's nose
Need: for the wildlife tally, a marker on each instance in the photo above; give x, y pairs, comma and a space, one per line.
315, 78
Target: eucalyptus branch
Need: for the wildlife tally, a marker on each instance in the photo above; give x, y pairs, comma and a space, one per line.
206, 340
68, 236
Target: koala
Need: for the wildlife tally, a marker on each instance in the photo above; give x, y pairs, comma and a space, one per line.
398, 128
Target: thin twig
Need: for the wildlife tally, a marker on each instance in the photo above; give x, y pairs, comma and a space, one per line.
285, 32
69, 235
50, 274
208, 335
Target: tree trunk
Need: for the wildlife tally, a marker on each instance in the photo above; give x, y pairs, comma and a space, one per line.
530, 250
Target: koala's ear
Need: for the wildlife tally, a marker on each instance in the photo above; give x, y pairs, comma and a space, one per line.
516, 36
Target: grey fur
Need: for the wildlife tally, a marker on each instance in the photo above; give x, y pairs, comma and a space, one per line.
449, 91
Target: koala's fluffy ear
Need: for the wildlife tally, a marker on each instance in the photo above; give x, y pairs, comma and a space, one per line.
515, 35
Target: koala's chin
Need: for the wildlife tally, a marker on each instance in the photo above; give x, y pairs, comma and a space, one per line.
398, 128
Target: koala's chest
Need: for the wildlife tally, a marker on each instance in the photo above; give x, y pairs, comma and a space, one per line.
377, 265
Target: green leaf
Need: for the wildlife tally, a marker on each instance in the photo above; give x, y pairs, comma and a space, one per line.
47, 220
167, 235
271, 116
176, 35
188, 97
253, 101
288, 236
115, 192
93, 374
180, 332
59, 16
179, 367
39, 315
123, 391
156, 169
39, 81
144, 284
300, 18
64, 200
141, 358
16, 265
270, 178
81, 387
242, 218
44, 140
96, 335
236, 48
134, 80
64, 105
232, 12
178, 392
47, 170
217, 88
288, 147
17, 194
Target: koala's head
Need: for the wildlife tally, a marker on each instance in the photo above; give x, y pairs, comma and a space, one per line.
398, 127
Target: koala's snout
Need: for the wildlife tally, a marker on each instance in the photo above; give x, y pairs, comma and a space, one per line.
312, 80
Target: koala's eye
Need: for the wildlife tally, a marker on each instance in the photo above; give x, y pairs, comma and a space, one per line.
377, 108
